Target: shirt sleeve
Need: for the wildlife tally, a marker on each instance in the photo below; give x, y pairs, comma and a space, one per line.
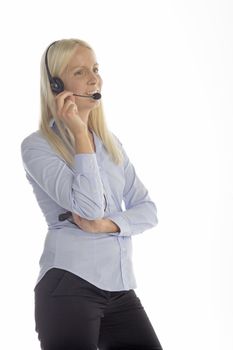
141, 211
79, 190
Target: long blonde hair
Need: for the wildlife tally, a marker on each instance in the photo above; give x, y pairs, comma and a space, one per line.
59, 55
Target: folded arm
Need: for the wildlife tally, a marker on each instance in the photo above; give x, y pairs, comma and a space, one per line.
79, 190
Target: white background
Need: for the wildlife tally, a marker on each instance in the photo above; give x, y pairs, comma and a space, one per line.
167, 94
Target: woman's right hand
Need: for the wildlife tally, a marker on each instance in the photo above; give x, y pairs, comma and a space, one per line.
67, 111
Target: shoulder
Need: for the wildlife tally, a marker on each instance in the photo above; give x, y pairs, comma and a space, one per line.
36, 142
34, 139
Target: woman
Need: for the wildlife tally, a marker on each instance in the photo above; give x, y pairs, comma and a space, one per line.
80, 173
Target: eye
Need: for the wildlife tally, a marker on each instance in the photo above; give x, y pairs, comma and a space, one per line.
84, 71
79, 72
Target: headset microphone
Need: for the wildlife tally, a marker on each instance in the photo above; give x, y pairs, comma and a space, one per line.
95, 96
57, 84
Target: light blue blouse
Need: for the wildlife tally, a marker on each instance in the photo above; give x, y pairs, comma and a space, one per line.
94, 188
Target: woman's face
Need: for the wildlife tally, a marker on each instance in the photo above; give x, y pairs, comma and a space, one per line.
81, 76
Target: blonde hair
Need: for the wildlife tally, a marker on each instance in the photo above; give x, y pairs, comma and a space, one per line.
59, 55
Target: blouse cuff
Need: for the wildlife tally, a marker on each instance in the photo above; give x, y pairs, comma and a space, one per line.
122, 222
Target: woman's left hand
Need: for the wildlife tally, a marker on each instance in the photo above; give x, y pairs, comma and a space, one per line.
95, 226
87, 225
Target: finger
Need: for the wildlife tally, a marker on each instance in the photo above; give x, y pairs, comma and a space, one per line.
63, 103
60, 99
69, 107
63, 94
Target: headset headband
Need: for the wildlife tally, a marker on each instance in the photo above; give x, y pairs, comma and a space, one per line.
56, 83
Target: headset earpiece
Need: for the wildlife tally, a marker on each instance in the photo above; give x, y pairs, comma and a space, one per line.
56, 83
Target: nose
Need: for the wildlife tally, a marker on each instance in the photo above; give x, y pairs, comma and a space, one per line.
92, 78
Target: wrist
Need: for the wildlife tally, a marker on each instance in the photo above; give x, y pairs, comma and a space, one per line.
81, 134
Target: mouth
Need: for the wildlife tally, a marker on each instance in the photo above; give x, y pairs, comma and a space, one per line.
92, 92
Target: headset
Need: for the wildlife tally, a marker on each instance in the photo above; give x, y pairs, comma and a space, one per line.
56, 83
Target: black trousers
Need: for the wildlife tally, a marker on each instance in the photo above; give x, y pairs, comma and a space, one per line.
73, 314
